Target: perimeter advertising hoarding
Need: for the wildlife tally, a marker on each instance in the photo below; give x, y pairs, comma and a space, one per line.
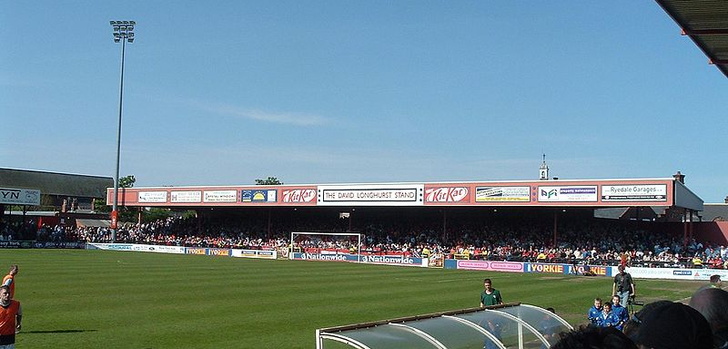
368, 259
12, 196
571, 193
503, 194
676, 274
513, 267
259, 254
371, 195
646, 192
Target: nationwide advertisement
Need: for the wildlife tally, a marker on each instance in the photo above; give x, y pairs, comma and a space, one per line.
12, 196
372, 195
299, 196
152, 196
114, 247
447, 194
258, 195
186, 196
330, 257
580, 193
503, 194
647, 192
220, 196
393, 260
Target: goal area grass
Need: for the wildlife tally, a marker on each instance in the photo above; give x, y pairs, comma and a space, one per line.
110, 299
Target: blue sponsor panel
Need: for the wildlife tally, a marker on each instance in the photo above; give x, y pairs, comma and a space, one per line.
682, 272
267, 195
450, 264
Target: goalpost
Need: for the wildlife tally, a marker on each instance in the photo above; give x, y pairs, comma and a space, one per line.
329, 242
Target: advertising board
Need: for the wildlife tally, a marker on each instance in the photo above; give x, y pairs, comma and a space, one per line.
371, 195
258, 195
646, 192
13, 196
503, 194
186, 196
152, 196
220, 196
578, 193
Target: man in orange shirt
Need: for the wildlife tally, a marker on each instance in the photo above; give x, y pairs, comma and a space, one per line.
9, 280
10, 318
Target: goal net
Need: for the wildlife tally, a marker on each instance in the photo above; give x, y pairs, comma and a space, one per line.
325, 243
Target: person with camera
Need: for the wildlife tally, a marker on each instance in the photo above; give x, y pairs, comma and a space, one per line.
623, 285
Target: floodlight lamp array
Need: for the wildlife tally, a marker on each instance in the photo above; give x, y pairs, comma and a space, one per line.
123, 30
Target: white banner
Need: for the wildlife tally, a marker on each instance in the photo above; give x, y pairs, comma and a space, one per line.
502, 194
581, 193
372, 195
186, 196
152, 196
12, 196
647, 192
677, 274
221, 196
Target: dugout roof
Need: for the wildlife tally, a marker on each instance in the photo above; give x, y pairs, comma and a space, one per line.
706, 23
507, 326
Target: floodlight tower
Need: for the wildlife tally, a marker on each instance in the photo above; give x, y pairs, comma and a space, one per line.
123, 32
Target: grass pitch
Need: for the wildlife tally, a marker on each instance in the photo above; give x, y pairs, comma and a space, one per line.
94, 299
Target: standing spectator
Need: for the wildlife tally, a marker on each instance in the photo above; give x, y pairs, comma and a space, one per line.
490, 296
10, 317
620, 312
9, 280
623, 285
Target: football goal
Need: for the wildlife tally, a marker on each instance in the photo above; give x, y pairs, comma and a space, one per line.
325, 243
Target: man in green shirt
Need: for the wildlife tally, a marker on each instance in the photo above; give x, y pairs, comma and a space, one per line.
489, 296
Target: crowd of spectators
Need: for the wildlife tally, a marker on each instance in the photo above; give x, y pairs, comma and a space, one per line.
592, 242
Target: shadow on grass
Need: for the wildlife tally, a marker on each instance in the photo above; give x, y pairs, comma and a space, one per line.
56, 331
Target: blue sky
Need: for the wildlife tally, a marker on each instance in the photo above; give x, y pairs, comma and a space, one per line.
224, 92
